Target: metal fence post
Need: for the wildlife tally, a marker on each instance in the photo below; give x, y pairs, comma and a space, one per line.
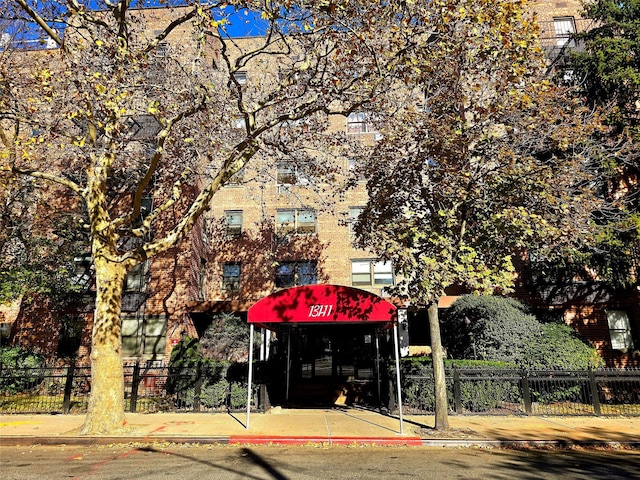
595, 397
457, 395
135, 381
526, 392
68, 387
198, 388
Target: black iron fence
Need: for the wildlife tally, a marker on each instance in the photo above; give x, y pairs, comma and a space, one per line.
149, 387
154, 387
548, 392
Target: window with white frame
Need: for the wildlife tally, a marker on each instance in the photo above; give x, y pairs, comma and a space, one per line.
619, 329
288, 173
371, 273
144, 335
231, 276
285, 174
233, 223
354, 215
294, 220
565, 28
298, 273
359, 123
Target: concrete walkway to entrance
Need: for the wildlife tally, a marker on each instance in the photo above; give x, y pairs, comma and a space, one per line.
332, 426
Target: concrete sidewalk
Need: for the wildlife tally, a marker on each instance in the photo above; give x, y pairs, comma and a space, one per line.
330, 427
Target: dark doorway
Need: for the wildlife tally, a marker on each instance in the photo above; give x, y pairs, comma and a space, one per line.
332, 365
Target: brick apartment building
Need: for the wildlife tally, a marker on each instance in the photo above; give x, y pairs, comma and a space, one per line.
267, 231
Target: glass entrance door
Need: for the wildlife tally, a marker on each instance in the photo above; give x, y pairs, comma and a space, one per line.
324, 365
338, 352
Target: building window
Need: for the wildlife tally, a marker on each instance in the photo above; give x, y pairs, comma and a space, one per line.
82, 275
70, 335
237, 178
288, 173
231, 277
136, 278
371, 273
241, 77
355, 169
233, 223
354, 215
619, 330
565, 28
285, 174
144, 335
359, 123
299, 221
239, 123
5, 333
294, 274
161, 50
142, 127
146, 206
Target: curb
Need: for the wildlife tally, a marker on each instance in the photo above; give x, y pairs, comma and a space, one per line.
633, 444
320, 440
11, 441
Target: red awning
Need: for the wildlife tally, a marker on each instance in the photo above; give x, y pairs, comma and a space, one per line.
322, 304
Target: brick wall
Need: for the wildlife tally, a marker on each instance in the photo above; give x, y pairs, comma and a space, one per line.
174, 277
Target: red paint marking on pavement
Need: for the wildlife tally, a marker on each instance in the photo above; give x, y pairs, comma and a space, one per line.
98, 466
159, 429
303, 440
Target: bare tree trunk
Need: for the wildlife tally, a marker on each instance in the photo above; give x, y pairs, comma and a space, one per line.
106, 402
437, 356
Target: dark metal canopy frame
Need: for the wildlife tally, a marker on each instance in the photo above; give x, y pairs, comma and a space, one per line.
321, 304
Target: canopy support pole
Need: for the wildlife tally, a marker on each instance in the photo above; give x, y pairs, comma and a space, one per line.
377, 335
288, 364
398, 386
249, 389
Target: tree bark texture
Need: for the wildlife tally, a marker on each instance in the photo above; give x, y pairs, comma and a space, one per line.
105, 414
437, 356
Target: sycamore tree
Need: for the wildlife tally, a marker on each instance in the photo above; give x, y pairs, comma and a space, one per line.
482, 165
160, 103
607, 71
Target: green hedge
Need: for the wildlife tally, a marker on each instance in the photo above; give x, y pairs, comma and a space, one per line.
22, 370
476, 395
220, 383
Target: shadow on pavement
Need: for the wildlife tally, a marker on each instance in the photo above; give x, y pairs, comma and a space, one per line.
258, 460
557, 463
246, 452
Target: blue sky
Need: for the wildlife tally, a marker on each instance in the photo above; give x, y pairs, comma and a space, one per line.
240, 24
246, 23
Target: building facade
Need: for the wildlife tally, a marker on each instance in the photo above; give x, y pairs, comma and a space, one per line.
270, 229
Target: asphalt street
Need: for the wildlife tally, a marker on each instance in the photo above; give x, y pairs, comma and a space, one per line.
230, 462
